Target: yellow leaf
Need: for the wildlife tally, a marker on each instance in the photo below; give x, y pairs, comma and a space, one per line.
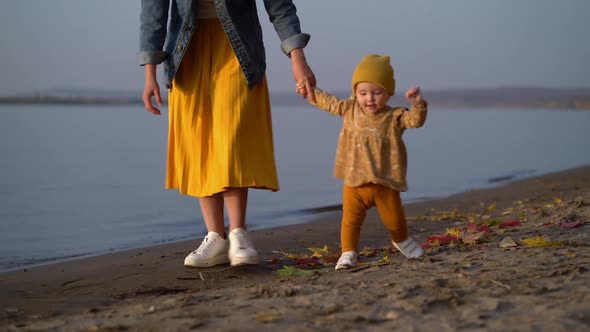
368, 252
385, 259
491, 207
319, 252
539, 241
557, 200
267, 317
454, 231
289, 255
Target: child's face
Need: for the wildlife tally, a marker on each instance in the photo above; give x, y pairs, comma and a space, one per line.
371, 96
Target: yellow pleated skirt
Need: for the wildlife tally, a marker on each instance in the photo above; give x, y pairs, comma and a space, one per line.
220, 131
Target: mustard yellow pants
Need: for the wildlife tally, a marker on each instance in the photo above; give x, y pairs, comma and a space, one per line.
356, 201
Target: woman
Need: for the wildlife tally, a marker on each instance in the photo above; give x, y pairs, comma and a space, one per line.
220, 135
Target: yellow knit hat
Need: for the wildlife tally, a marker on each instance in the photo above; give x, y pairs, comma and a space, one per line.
376, 69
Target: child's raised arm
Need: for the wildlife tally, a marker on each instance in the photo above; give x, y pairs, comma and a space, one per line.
417, 115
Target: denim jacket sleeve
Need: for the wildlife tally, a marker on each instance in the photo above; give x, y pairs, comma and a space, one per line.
283, 16
154, 18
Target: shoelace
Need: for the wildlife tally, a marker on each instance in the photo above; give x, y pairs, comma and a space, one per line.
204, 247
240, 241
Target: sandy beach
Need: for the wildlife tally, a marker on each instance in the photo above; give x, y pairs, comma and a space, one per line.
510, 258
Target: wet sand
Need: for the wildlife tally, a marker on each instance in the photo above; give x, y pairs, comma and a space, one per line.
511, 258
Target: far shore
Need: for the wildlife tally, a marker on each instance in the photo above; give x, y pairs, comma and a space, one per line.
494, 97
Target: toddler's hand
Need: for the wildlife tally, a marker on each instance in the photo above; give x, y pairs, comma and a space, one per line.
414, 96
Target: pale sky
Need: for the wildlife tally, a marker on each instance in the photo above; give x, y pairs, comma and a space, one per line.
437, 44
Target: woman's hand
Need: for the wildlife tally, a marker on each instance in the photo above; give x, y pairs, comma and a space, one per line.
303, 75
151, 89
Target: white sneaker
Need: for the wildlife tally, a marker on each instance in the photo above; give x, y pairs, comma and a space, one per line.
409, 248
212, 251
241, 250
347, 260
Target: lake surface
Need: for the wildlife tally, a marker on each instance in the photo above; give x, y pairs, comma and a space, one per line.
85, 180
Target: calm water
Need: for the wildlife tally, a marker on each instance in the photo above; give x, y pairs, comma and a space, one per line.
83, 180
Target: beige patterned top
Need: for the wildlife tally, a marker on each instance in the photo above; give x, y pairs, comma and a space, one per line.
370, 146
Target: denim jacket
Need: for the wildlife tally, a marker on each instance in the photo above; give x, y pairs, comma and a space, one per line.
240, 22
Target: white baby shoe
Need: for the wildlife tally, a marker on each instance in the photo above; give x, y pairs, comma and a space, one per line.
347, 260
409, 248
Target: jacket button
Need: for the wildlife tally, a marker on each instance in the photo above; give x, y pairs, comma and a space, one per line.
179, 48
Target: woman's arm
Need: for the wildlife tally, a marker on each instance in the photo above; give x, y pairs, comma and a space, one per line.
283, 15
151, 89
153, 29
152, 32
303, 75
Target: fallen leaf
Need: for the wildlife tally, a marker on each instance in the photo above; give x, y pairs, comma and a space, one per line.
510, 223
275, 260
507, 242
455, 213
455, 231
492, 207
368, 252
313, 261
492, 223
425, 246
539, 241
287, 254
484, 228
442, 239
287, 271
573, 224
473, 238
267, 317
319, 252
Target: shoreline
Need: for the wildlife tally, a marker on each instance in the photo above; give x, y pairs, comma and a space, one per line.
309, 214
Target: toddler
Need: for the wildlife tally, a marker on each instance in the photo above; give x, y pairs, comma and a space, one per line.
371, 155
